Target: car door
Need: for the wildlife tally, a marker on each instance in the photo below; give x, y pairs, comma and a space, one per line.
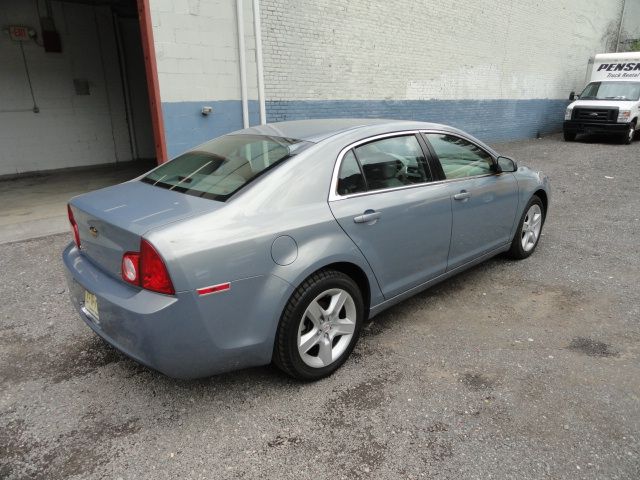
383, 199
484, 202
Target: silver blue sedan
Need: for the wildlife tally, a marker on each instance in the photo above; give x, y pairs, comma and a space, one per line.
275, 243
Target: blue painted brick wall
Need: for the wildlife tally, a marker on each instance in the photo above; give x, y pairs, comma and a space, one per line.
489, 120
185, 126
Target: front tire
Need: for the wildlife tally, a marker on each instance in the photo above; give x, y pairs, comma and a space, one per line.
628, 137
320, 326
569, 136
527, 236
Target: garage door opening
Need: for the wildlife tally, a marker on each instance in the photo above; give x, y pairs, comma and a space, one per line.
74, 79
77, 105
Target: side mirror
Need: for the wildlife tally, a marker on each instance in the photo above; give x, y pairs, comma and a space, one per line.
573, 96
505, 164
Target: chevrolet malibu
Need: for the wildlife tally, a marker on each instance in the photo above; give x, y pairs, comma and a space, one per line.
275, 243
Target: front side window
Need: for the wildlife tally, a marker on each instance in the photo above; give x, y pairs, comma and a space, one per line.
458, 157
393, 162
221, 167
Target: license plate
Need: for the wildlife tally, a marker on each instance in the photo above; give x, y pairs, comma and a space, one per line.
91, 304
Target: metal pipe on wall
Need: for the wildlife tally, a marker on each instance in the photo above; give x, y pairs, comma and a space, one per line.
125, 88
243, 67
259, 65
106, 84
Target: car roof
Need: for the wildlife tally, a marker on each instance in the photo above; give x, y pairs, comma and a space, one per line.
320, 129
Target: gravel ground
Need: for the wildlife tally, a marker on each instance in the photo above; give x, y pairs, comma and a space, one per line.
511, 370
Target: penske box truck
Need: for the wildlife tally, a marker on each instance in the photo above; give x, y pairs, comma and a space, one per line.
610, 103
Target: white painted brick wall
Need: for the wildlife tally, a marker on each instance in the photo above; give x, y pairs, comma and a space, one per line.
70, 130
445, 49
196, 46
631, 25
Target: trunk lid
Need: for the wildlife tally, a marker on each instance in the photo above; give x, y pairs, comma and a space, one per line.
112, 220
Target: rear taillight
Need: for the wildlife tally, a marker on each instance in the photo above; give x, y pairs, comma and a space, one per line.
130, 267
154, 275
146, 269
74, 226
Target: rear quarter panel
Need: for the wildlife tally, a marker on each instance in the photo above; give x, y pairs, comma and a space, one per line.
235, 242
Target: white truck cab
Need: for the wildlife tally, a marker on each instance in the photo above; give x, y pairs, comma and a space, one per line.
610, 103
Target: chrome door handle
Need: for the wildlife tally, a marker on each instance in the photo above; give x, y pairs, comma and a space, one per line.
367, 217
463, 195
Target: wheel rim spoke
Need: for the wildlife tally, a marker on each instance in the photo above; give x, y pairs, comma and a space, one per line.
536, 220
315, 313
308, 341
337, 302
325, 354
343, 327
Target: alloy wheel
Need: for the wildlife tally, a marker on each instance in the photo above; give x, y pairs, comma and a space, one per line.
326, 328
531, 227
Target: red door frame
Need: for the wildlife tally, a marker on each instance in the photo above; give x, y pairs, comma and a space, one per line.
151, 68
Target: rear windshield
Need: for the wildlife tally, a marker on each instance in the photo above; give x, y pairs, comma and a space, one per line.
611, 91
219, 168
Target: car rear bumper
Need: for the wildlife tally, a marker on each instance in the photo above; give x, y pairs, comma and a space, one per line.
576, 126
184, 335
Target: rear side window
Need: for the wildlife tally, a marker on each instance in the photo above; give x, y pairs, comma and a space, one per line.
460, 158
221, 167
350, 179
393, 162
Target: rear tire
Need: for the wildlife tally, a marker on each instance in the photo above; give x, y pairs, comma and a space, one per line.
320, 326
569, 136
529, 230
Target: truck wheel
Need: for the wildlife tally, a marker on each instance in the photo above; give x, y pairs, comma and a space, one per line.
569, 136
628, 137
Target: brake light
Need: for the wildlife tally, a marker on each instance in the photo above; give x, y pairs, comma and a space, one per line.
154, 275
146, 269
74, 226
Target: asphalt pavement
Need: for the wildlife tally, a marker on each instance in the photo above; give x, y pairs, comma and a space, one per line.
522, 370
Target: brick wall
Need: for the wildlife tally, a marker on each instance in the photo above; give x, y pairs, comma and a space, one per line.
197, 55
500, 69
631, 25
447, 49
197, 49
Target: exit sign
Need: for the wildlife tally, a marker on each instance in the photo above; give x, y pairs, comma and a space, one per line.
19, 33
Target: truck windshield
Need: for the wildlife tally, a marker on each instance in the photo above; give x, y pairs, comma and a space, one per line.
611, 91
219, 168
